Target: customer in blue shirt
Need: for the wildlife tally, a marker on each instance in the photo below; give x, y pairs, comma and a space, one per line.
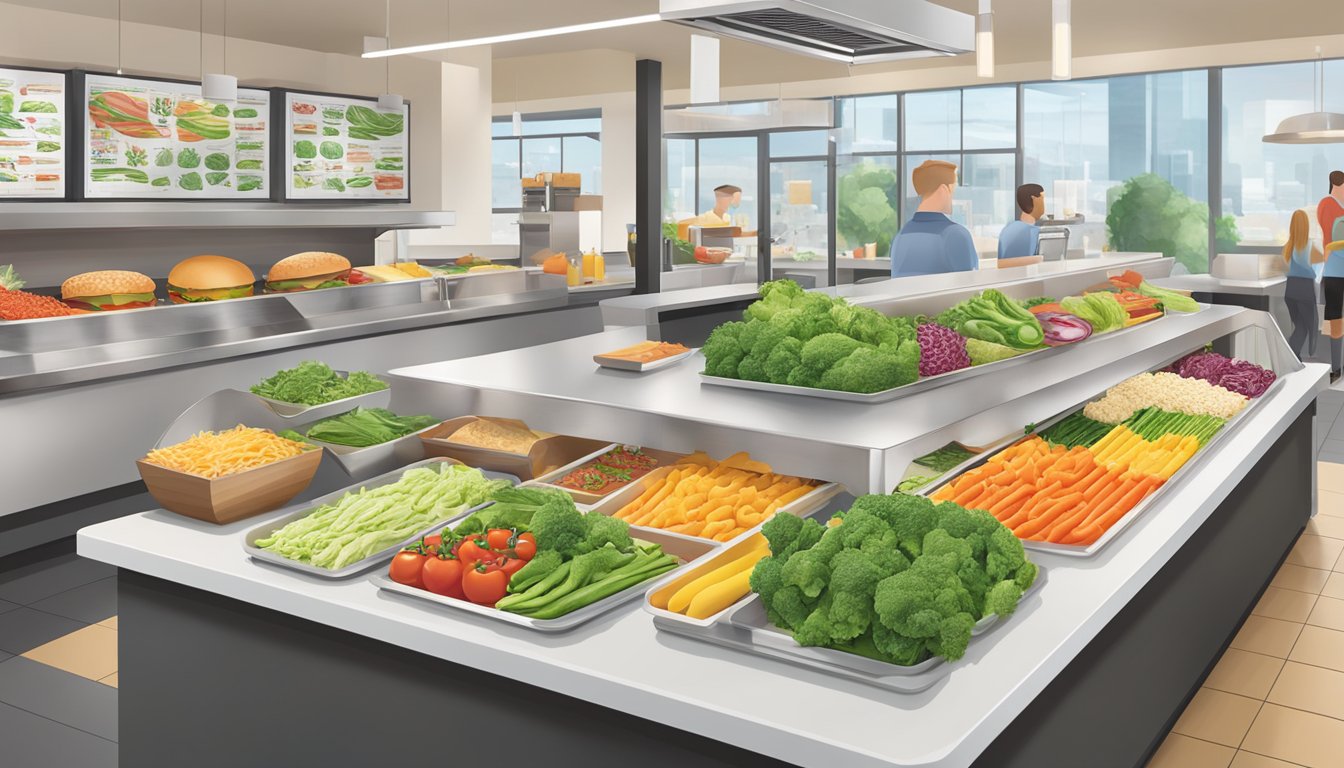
1020, 238
931, 243
1299, 291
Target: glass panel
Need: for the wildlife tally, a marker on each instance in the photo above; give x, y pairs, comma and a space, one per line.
1128, 155
501, 126
583, 155
868, 191
869, 124
504, 228
933, 121
730, 160
534, 127
540, 156
1264, 183
798, 218
798, 143
985, 201
989, 118
505, 191
679, 198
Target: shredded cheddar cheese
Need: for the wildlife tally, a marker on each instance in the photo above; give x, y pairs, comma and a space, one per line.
213, 455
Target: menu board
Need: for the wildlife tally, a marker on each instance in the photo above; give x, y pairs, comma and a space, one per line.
32, 134
160, 139
344, 148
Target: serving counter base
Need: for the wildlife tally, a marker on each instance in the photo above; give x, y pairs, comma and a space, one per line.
231, 683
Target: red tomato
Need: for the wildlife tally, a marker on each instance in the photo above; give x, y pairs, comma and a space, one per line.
473, 548
498, 538
525, 548
406, 568
443, 576
485, 583
432, 543
511, 565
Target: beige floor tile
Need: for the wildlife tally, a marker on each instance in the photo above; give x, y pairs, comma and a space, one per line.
1310, 688
1272, 637
109, 623
1328, 612
1244, 673
1316, 551
1330, 476
1334, 586
1330, 503
90, 652
1252, 760
1179, 751
1300, 737
1328, 525
1218, 717
110, 680
1319, 647
1339, 563
1301, 578
1285, 604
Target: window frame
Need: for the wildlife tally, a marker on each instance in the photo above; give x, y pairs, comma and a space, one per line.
572, 114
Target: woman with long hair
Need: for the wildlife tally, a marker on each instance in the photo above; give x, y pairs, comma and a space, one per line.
1300, 292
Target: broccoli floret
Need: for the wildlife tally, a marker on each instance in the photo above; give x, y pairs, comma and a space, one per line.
752, 368
822, 352
809, 569
918, 601
559, 526
953, 636
911, 517
854, 579
781, 532
776, 296
603, 530
783, 360
791, 607
1004, 555
538, 568
816, 628
897, 648
767, 576
722, 350
1026, 575
804, 377
1002, 599
870, 369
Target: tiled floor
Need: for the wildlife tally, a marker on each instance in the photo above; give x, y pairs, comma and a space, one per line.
1274, 700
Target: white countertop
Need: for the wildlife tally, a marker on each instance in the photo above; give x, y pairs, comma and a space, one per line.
1209, 284
769, 707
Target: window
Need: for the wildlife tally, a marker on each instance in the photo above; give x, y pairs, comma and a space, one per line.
565, 142
1140, 141
1264, 183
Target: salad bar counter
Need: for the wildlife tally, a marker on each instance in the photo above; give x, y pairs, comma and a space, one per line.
1077, 537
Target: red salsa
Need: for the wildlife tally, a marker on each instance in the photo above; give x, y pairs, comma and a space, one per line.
609, 471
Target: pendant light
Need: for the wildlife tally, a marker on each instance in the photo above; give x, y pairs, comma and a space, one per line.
217, 87
118, 37
388, 100
1319, 127
1061, 27
984, 41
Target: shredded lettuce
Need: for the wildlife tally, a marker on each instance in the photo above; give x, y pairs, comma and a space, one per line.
314, 383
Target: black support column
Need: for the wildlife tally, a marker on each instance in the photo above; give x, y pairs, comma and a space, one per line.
648, 175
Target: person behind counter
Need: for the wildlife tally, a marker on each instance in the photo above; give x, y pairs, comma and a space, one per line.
1020, 239
1299, 292
931, 242
726, 198
1330, 209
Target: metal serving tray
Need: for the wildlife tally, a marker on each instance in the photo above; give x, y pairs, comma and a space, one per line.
379, 399
631, 365
376, 458
689, 552
744, 627
297, 511
1151, 500
914, 387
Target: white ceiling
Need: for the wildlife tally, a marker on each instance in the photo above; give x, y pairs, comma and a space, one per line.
1022, 28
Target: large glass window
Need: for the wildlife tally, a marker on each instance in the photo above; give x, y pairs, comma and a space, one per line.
932, 121
1124, 161
729, 160
1264, 183
564, 142
869, 124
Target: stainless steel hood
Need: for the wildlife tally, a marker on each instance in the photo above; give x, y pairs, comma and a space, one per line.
849, 31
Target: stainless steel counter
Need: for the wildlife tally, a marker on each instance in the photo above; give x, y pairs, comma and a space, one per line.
15, 217
1269, 286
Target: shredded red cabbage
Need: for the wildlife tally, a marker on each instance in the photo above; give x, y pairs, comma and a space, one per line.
942, 350
1240, 376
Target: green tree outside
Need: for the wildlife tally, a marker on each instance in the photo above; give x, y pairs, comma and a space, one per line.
866, 206
1147, 213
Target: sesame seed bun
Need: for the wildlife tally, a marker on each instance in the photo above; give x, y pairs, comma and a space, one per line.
308, 264
104, 282
209, 272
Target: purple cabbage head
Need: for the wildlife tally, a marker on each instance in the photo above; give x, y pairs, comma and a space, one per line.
941, 350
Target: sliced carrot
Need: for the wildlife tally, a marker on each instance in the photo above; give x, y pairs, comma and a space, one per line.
1018, 495
1098, 508
1056, 508
1122, 507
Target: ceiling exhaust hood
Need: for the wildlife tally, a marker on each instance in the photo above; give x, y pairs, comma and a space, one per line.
847, 31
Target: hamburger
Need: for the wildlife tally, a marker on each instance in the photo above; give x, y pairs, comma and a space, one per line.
311, 270
108, 289
209, 278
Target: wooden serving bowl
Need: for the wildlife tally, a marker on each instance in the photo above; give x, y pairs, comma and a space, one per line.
232, 497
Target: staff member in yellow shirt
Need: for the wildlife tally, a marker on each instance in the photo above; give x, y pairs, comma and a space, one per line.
726, 197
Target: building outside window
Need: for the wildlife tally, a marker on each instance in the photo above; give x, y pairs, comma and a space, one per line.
555, 142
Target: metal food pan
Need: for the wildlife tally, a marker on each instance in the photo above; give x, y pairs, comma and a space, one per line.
1148, 502
376, 458
379, 399
802, 506
914, 387
583, 498
297, 511
689, 552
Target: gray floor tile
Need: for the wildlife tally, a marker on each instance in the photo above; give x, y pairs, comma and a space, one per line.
1331, 445
41, 580
1333, 458
5, 655
36, 742
23, 629
90, 603
6, 606
61, 696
